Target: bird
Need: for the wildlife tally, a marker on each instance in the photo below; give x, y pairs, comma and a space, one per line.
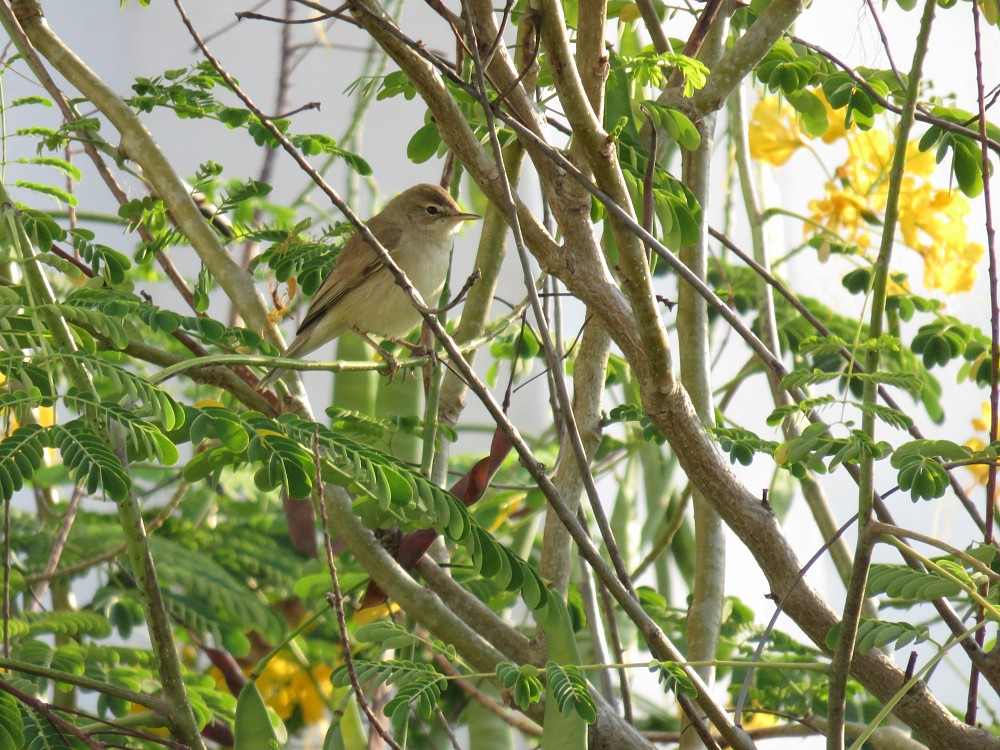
360, 293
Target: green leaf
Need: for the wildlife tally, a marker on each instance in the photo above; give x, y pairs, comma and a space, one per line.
424, 143
946, 449
741, 445
874, 634
388, 635
221, 424
842, 92
51, 191
567, 686
425, 691
67, 168
967, 165
618, 115
523, 680
673, 678
21, 455
568, 703
91, 463
802, 377
905, 380
901, 582
68, 623
891, 417
920, 473
41, 228
252, 729
41, 734
815, 120
675, 123
207, 596
199, 295
11, 723
414, 682
27, 100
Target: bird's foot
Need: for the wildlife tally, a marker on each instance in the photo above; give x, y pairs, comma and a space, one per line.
391, 364
420, 350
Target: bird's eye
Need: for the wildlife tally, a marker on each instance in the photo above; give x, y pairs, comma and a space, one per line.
433, 210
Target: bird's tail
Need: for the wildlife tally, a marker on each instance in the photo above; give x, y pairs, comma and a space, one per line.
306, 340
270, 378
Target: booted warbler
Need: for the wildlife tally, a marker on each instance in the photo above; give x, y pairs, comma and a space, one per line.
360, 294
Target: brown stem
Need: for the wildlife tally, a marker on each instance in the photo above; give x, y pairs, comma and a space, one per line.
972, 704
337, 602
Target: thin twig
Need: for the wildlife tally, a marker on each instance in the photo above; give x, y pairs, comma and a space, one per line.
695, 41
551, 356
823, 330
885, 42
93, 146
666, 535
972, 704
118, 728
58, 723
58, 543
651, 20
251, 16
165, 512
610, 616
851, 617
965, 557
647, 181
6, 578
498, 39
455, 744
519, 722
745, 689
457, 299
337, 601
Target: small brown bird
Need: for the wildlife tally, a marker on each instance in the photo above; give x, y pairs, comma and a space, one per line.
417, 227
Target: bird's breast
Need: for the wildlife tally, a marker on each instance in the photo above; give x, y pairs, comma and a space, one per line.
392, 314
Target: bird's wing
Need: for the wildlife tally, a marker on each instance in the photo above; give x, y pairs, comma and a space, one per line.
355, 265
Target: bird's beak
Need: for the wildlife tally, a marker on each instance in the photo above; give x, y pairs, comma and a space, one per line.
460, 218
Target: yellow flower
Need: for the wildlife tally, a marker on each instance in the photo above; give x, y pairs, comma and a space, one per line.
774, 135
371, 614
982, 422
980, 472
932, 222
844, 213
951, 268
867, 166
285, 685
919, 163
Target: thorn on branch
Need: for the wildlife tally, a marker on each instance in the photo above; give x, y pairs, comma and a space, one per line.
667, 303
764, 501
911, 665
303, 108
